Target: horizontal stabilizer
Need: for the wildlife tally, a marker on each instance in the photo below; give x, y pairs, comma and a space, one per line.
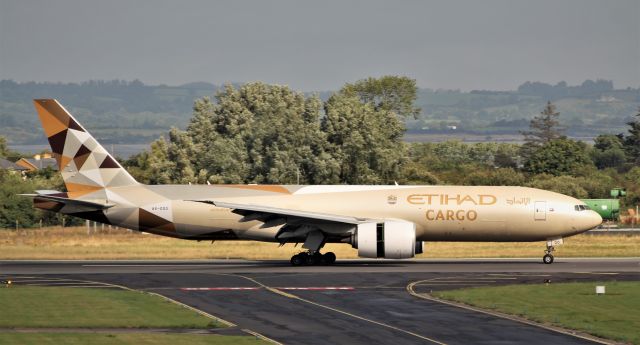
88, 205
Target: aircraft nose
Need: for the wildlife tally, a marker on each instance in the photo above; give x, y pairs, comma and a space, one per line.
592, 219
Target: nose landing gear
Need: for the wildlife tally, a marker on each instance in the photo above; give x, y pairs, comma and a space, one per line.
548, 253
313, 258
548, 256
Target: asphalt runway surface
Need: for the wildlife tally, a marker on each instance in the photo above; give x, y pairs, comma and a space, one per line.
351, 302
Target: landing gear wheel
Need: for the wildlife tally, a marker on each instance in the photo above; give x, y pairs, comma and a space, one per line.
329, 258
309, 259
314, 259
297, 260
548, 254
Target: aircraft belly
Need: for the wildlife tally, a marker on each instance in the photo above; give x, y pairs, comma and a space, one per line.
126, 217
195, 219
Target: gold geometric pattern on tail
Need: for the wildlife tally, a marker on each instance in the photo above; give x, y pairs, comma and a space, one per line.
85, 165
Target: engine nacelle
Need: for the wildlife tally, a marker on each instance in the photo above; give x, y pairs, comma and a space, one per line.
390, 239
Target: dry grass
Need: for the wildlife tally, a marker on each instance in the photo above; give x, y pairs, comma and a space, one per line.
74, 243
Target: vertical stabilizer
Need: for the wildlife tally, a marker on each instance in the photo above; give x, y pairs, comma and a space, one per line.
86, 167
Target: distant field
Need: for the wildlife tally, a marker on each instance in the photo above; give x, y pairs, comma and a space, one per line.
569, 305
75, 243
468, 138
474, 138
65, 315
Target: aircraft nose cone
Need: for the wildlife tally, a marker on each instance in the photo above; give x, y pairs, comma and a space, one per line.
592, 220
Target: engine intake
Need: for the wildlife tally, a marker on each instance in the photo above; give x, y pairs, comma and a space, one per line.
390, 239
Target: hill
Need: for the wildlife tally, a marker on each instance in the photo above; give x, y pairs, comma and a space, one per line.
122, 112
592, 108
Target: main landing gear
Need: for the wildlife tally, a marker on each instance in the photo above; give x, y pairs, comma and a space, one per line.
548, 256
312, 259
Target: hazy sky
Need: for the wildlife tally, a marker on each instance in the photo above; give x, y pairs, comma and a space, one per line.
320, 45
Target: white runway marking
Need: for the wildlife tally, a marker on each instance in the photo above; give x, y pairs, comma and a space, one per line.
241, 288
219, 288
157, 265
317, 288
59, 283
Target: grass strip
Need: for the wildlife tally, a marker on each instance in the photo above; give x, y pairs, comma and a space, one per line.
569, 305
120, 339
28, 306
75, 243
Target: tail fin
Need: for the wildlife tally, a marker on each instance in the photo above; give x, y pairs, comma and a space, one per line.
85, 165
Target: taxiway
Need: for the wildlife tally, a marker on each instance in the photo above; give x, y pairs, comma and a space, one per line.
354, 301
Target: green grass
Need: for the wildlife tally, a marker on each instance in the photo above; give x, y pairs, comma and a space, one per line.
614, 315
26, 306
119, 339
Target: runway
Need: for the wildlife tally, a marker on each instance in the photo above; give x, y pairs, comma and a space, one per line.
354, 301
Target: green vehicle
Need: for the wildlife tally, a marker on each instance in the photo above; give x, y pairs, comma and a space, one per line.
608, 209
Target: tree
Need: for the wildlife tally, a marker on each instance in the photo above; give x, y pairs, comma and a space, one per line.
15, 207
221, 151
559, 157
179, 153
365, 141
414, 173
632, 141
608, 151
259, 133
632, 182
543, 128
495, 177
388, 93
4, 151
503, 159
156, 163
567, 185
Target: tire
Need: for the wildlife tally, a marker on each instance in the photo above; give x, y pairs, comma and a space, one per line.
312, 260
547, 259
329, 258
296, 260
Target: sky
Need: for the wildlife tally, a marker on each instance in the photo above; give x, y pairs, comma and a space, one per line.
320, 45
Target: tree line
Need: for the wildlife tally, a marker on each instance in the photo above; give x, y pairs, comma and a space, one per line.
271, 134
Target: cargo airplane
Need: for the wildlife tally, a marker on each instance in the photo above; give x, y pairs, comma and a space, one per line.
380, 221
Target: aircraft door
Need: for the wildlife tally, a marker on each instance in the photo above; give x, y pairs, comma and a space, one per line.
540, 210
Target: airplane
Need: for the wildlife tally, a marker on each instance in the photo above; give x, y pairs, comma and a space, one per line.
381, 221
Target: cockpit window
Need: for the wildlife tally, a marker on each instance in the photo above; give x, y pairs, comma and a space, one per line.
582, 207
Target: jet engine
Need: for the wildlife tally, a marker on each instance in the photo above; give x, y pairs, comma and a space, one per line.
390, 239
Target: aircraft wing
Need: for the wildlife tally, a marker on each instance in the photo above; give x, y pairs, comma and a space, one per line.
254, 212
